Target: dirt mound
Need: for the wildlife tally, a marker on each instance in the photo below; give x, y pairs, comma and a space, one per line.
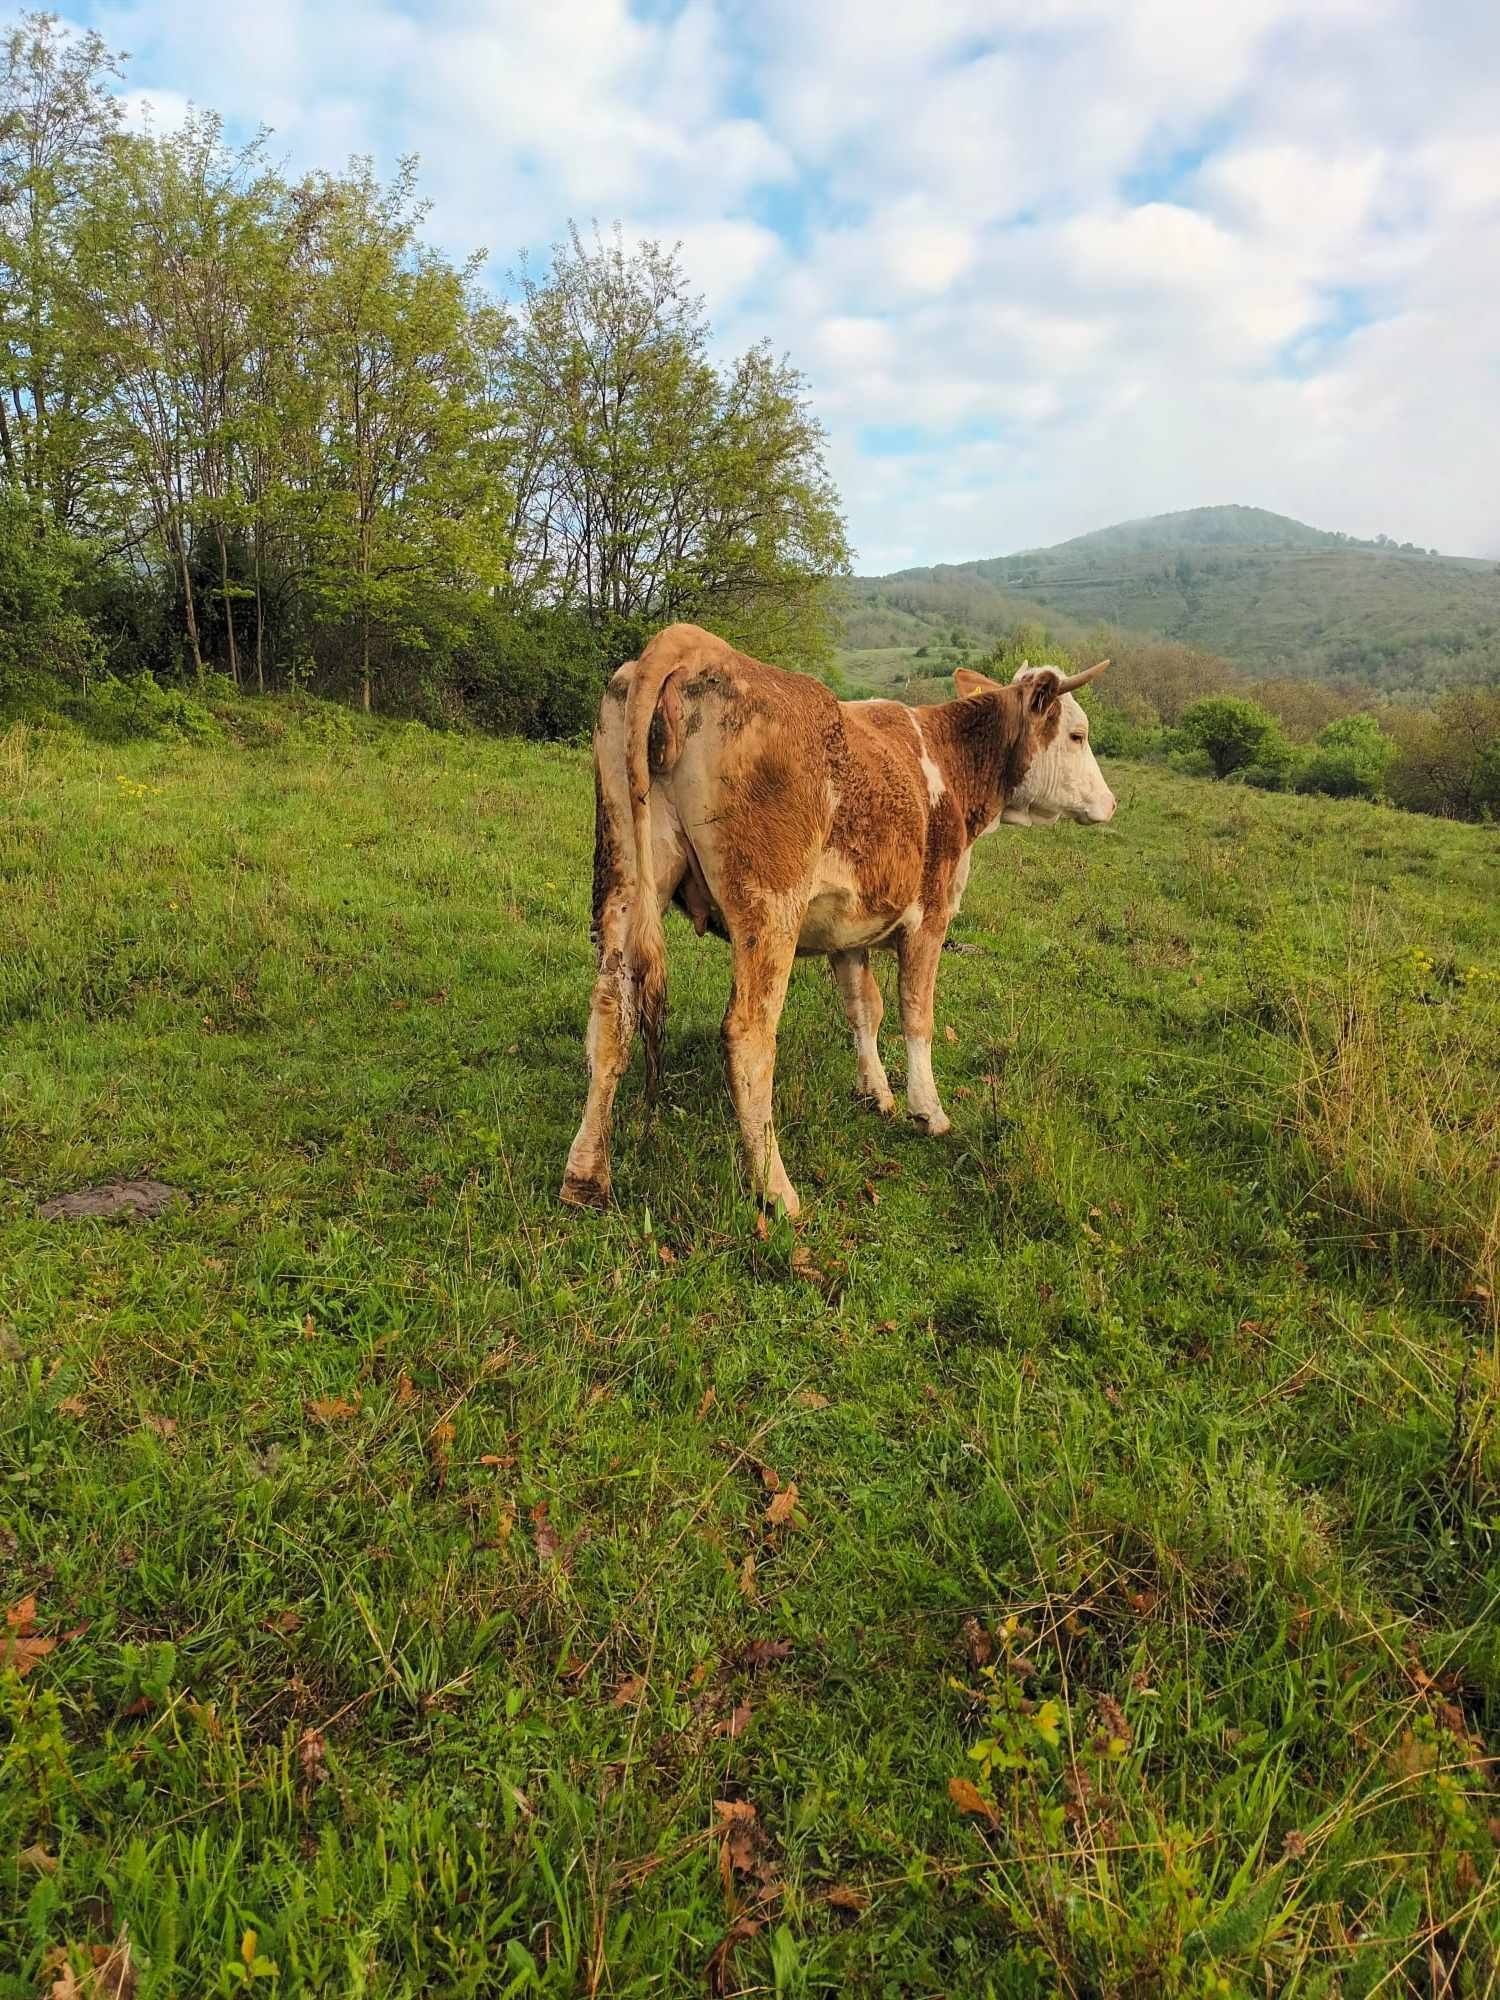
137, 1200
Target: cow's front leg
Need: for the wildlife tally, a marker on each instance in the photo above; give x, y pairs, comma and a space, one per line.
863, 1009
918, 953
762, 967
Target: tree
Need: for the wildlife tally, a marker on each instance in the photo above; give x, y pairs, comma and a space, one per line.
1233, 734
57, 112
1448, 758
1350, 760
169, 260
410, 472
650, 485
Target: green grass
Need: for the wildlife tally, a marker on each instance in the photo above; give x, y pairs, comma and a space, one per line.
406, 1537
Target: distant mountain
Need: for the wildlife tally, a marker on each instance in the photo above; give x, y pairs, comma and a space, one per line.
1270, 594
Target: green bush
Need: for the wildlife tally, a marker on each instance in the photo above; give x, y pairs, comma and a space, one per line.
1351, 758
120, 711
1114, 734
43, 639
1191, 763
539, 674
1233, 734
1264, 777
1447, 758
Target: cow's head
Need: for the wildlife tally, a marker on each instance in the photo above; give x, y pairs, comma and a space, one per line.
1055, 772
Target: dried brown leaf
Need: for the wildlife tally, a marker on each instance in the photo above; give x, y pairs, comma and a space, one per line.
108, 1973
783, 1506
719, 1970
20, 1648
843, 1897
764, 1653
332, 1409
967, 1796
548, 1542
312, 1755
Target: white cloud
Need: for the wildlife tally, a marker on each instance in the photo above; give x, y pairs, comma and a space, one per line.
1095, 259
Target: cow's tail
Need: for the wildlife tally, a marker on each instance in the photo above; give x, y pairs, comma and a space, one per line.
648, 950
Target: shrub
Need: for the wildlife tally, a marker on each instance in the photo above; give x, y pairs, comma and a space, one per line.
1113, 733
1191, 763
122, 711
1233, 734
1265, 777
1447, 758
1350, 760
43, 639
539, 673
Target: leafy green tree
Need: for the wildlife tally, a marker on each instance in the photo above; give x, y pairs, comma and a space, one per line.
1448, 757
650, 484
410, 492
168, 262
1350, 760
57, 113
1233, 734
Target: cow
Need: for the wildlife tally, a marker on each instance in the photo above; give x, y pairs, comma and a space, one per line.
790, 822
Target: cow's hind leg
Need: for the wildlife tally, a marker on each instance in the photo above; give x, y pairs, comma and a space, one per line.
611, 1036
863, 1009
762, 967
919, 952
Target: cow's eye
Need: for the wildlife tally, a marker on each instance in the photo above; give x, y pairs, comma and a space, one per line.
1079, 737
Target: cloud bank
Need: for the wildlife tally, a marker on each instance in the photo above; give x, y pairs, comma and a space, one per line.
1046, 263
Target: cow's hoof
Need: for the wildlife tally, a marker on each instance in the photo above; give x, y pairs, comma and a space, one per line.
580, 1193
886, 1105
934, 1124
783, 1202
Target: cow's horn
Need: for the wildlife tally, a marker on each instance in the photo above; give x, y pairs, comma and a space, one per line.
1088, 674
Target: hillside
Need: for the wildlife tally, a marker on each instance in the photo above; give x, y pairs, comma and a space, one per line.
437, 1593
1270, 594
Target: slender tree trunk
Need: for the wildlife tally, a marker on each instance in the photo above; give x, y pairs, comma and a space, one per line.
364, 659
187, 598
234, 655
260, 622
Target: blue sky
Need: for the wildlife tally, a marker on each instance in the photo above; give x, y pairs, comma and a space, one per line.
1046, 263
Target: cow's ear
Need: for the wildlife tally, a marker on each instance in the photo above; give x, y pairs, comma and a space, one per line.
1042, 689
970, 682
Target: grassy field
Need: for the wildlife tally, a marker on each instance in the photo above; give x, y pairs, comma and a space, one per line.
1067, 1564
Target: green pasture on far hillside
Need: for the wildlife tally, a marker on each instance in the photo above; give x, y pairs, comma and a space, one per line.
1066, 1563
